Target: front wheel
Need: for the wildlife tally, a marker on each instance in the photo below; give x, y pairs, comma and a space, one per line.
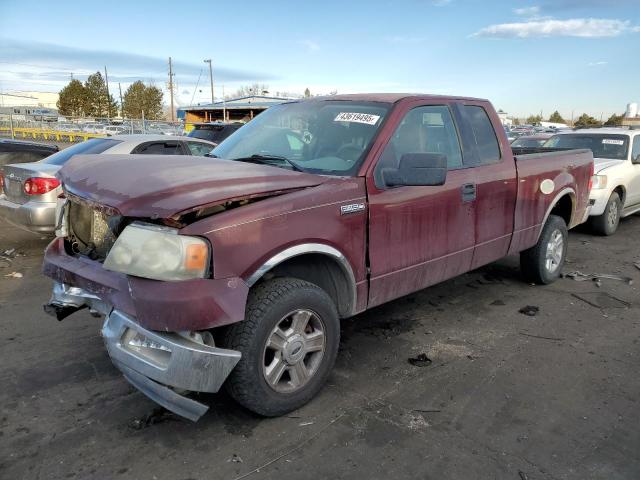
607, 223
288, 341
543, 262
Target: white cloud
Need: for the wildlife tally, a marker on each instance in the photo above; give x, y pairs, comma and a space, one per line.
577, 27
597, 64
310, 45
527, 11
441, 3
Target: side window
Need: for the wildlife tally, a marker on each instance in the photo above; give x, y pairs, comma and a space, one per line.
199, 149
428, 129
635, 151
484, 135
159, 148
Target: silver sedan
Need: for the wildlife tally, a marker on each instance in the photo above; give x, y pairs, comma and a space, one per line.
29, 191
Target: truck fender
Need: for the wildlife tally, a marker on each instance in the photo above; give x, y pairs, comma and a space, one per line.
312, 248
554, 203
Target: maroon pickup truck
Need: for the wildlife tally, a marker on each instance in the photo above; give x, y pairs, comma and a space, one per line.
235, 269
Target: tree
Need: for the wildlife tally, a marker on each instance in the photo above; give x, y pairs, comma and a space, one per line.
516, 121
556, 118
307, 93
72, 99
248, 90
586, 121
98, 103
534, 119
614, 120
142, 98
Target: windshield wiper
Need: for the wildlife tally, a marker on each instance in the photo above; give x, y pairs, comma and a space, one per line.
265, 160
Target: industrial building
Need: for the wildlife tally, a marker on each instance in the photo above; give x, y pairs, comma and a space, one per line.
240, 109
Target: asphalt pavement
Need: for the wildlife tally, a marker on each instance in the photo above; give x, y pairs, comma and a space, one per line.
490, 392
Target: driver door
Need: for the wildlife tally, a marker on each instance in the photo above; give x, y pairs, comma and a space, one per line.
420, 235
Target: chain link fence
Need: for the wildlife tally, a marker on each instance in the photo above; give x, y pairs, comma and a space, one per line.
76, 129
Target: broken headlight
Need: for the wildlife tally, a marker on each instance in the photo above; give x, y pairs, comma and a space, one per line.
158, 253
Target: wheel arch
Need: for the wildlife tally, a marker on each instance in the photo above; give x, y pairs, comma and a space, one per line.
564, 206
317, 263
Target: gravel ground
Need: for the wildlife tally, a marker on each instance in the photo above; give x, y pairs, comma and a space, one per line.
506, 395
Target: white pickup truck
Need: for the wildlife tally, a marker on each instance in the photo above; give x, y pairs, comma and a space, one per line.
616, 183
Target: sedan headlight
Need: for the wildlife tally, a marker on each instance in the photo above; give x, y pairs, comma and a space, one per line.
599, 182
159, 253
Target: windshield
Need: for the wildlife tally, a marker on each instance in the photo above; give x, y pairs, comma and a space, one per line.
327, 136
94, 145
213, 133
614, 147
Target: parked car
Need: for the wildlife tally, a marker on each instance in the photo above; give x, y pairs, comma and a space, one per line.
20, 151
531, 141
237, 270
29, 194
214, 132
616, 185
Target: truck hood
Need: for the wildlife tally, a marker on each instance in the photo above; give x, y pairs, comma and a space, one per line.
600, 164
161, 186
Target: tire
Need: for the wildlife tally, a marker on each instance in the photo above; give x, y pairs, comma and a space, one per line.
542, 263
607, 223
285, 305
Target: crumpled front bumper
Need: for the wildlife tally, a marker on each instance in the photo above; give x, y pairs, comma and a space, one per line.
156, 363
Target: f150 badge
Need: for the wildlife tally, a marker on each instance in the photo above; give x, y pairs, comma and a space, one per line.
351, 208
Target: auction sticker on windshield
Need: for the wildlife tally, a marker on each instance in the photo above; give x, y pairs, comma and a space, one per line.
357, 118
610, 141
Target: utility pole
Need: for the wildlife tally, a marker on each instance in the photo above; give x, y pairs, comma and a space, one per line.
106, 82
121, 104
173, 114
224, 106
210, 79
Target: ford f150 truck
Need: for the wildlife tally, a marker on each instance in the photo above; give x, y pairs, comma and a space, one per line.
235, 269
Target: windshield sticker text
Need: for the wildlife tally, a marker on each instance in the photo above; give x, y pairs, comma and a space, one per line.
357, 118
609, 141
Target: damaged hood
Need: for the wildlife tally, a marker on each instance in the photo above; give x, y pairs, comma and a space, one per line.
162, 186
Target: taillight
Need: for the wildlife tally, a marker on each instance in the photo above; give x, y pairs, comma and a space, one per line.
1, 182
40, 186
593, 171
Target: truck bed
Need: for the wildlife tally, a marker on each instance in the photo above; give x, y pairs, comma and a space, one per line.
569, 170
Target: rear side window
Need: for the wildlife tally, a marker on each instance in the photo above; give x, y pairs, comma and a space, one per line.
635, 152
159, 148
199, 149
484, 134
95, 145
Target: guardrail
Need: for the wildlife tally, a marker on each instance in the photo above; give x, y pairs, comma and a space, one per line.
39, 134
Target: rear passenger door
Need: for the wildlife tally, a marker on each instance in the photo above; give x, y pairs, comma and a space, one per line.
160, 148
495, 182
633, 193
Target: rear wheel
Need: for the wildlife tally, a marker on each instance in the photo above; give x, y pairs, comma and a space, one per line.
543, 262
607, 223
289, 343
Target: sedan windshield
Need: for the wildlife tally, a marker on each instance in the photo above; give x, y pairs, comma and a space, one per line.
320, 136
614, 147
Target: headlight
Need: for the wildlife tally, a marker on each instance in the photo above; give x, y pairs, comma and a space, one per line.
159, 253
599, 182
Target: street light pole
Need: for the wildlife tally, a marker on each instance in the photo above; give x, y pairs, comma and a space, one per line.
210, 79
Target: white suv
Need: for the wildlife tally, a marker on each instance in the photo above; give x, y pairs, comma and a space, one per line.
616, 183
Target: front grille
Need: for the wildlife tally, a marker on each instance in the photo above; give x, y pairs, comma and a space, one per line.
92, 232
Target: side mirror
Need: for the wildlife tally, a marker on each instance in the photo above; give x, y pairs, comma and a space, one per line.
417, 169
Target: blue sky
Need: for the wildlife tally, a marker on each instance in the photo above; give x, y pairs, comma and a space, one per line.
525, 56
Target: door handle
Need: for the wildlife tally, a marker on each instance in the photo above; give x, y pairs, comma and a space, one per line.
468, 192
